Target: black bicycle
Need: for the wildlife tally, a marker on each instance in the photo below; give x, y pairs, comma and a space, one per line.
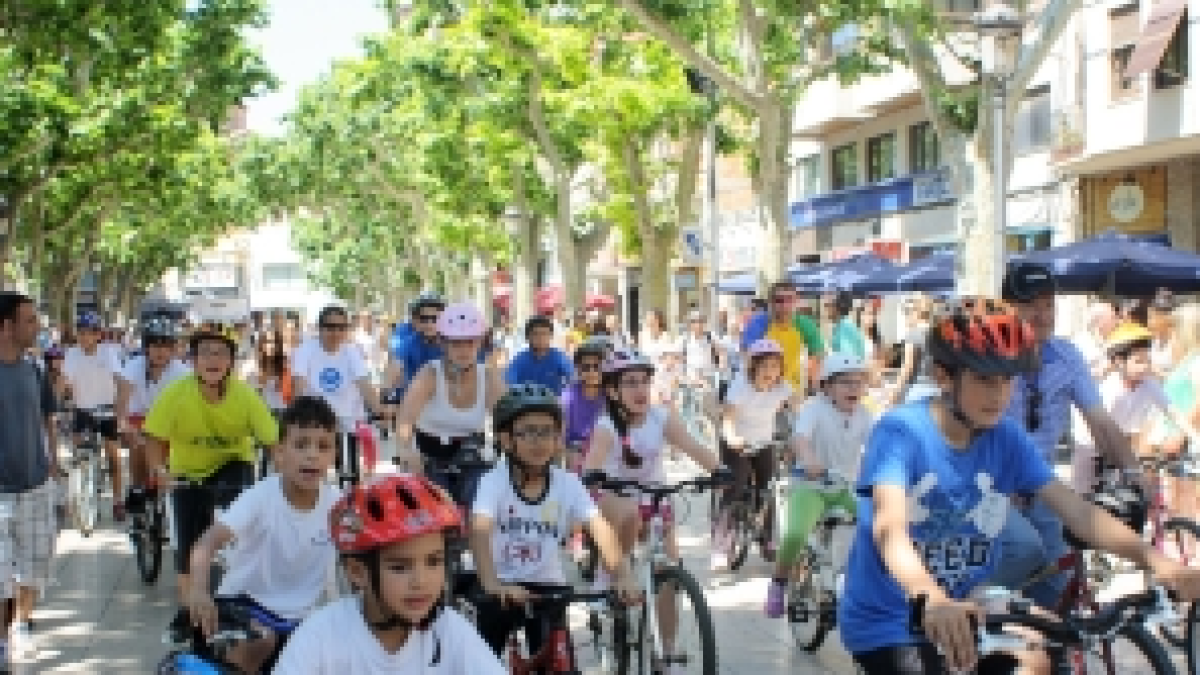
147, 530
747, 515
86, 470
556, 652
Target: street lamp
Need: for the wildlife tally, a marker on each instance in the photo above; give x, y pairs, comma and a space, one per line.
999, 28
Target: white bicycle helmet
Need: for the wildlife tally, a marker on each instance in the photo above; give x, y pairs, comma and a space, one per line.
841, 362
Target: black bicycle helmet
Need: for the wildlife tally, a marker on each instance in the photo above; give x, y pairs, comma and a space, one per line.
843, 303
159, 329
525, 398
598, 346
1026, 282
990, 344
426, 299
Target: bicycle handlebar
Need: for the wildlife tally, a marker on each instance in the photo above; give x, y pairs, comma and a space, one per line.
543, 597
599, 480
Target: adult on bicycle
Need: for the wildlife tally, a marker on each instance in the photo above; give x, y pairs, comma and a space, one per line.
91, 374
1041, 403
417, 345
935, 483
138, 385
448, 400
748, 411
211, 422
629, 443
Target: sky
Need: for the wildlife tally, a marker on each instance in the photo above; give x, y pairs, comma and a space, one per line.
302, 42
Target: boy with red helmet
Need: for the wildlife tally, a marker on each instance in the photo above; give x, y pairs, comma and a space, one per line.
391, 534
935, 481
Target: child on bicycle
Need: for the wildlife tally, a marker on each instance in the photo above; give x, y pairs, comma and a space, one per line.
749, 407
629, 443
583, 400
526, 506
934, 483
829, 431
391, 533
281, 558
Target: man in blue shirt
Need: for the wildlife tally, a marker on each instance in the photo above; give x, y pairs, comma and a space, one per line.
416, 343
1041, 404
540, 363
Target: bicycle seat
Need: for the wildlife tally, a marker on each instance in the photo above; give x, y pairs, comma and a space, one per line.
836, 517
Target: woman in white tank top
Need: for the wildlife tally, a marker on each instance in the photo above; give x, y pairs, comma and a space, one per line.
448, 399
628, 443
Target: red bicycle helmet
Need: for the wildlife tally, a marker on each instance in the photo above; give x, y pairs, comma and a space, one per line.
390, 510
992, 344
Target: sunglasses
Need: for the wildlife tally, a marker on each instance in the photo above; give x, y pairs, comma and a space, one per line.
427, 318
1033, 402
589, 367
335, 326
782, 300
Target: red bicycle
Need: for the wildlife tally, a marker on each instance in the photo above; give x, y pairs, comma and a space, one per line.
557, 653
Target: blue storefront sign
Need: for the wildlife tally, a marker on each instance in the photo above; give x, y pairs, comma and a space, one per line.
901, 194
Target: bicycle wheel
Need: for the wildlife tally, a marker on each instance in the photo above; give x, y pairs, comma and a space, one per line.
1179, 540
1133, 650
610, 639
147, 544
811, 609
85, 507
741, 533
694, 648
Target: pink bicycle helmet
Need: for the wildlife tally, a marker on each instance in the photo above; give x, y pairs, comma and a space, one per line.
622, 360
461, 321
765, 346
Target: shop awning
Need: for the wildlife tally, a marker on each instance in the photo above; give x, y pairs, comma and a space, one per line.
1152, 43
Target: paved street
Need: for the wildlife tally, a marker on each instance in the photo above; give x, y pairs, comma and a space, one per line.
100, 618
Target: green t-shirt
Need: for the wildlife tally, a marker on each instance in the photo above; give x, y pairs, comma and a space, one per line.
206, 436
811, 333
848, 338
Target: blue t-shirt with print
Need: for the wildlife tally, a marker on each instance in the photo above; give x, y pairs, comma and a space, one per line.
552, 369
956, 509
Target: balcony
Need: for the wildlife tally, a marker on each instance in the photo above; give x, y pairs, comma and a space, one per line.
827, 108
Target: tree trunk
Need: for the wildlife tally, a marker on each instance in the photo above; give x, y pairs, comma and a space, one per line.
527, 244
572, 266
774, 130
975, 183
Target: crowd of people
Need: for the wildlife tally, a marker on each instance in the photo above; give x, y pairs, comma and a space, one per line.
942, 443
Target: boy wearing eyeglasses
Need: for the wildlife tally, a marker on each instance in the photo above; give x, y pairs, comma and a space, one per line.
525, 507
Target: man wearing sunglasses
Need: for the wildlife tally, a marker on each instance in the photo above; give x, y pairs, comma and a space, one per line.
333, 368
795, 332
415, 343
1042, 403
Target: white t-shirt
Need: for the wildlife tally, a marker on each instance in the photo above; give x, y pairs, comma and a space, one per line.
752, 412
142, 392
837, 439
527, 536
281, 557
1131, 408
646, 441
334, 377
335, 640
698, 355
92, 377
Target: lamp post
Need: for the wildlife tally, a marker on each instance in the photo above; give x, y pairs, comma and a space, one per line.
999, 29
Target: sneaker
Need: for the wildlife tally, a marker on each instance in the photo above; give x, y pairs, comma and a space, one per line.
118, 512
718, 561
179, 631
776, 594
21, 642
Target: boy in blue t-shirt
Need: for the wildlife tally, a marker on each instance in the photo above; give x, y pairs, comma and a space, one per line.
933, 498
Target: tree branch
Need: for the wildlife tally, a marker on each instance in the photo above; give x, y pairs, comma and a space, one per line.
1036, 44
685, 50
924, 63
537, 117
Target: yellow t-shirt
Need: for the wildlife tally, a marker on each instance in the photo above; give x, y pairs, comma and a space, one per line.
205, 436
795, 353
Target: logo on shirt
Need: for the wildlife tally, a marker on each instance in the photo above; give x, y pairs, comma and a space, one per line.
330, 380
954, 528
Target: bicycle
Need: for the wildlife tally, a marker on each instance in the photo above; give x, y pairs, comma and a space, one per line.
812, 599
147, 530
1083, 645
350, 450
747, 516
557, 653
207, 657
86, 472
690, 404
657, 574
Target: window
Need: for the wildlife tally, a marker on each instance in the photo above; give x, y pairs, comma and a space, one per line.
881, 158
1172, 71
844, 167
923, 151
1031, 128
283, 277
1036, 240
805, 175
957, 6
1124, 27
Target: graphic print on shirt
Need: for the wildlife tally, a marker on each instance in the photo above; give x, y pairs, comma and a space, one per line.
527, 540
953, 529
330, 380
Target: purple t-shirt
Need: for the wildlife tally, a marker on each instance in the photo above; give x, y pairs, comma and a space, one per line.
580, 412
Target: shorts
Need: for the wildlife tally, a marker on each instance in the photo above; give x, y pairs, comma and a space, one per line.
461, 486
923, 659
281, 627
85, 421
28, 529
193, 506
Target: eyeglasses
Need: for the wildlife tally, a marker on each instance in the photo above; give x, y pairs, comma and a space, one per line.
1033, 405
634, 384
535, 433
782, 299
427, 318
335, 326
589, 367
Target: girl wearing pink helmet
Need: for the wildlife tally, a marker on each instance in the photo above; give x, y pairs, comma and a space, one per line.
629, 442
749, 409
448, 400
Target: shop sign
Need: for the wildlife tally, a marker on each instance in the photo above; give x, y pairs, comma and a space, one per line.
869, 201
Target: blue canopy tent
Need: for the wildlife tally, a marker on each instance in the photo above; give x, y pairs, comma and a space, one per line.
931, 274
1119, 265
840, 275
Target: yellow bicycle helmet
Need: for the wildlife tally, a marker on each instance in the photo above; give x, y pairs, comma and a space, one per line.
1126, 337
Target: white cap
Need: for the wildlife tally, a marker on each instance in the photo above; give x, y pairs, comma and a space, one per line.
841, 362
